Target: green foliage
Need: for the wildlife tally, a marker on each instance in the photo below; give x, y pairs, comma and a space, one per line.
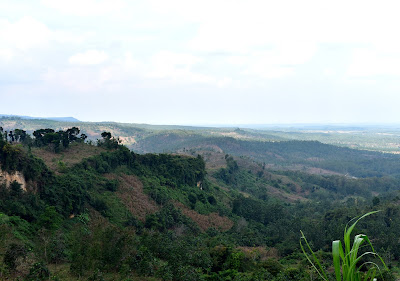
77, 220
13, 254
257, 210
343, 160
347, 261
167, 218
110, 206
50, 219
108, 141
339, 186
38, 272
54, 140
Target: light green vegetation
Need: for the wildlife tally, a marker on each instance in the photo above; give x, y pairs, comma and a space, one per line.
348, 262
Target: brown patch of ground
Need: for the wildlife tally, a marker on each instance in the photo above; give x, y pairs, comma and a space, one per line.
303, 168
74, 154
319, 171
213, 156
281, 194
130, 192
8, 178
96, 219
214, 160
128, 140
259, 253
206, 221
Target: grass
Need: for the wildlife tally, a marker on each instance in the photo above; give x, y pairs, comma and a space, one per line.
346, 260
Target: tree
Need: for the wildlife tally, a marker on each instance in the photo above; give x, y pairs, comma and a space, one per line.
12, 137
106, 135
83, 137
108, 141
20, 135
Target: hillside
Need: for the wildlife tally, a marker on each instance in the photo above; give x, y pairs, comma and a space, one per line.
103, 212
297, 155
373, 138
274, 148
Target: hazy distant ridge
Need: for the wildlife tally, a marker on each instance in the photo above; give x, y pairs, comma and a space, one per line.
61, 119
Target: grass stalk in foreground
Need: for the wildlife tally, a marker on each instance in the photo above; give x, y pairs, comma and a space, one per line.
346, 259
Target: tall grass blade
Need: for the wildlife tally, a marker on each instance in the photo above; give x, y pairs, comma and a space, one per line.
336, 247
345, 261
348, 231
321, 270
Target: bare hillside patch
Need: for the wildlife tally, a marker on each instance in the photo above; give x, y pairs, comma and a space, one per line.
206, 221
259, 253
130, 192
74, 154
283, 195
213, 156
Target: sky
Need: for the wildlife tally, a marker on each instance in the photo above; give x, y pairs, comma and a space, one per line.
201, 62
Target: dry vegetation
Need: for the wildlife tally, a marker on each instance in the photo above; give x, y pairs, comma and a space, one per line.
74, 154
212, 155
283, 195
261, 253
206, 221
130, 192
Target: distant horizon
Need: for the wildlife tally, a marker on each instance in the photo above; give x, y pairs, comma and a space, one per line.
213, 125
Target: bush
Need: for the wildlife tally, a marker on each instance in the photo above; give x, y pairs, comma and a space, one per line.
13, 254
38, 272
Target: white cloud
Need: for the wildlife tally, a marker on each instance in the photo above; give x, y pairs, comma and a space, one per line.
90, 57
76, 78
6, 54
269, 72
173, 68
20, 37
369, 62
24, 34
128, 62
65, 37
224, 82
237, 24
171, 59
277, 62
291, 31
328, 71
176, 67
85, 7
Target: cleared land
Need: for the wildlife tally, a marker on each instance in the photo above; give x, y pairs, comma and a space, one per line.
74, 154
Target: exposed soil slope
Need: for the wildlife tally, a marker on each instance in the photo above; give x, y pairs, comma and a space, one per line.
130, 192
206, 221
74, 154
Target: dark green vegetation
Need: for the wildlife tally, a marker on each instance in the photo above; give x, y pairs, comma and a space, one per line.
217, 211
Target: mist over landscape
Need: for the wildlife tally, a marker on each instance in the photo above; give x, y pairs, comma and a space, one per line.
212, 140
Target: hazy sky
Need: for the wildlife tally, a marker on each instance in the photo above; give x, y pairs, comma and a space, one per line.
201, 62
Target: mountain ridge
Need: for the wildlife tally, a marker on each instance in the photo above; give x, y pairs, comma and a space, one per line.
60, 119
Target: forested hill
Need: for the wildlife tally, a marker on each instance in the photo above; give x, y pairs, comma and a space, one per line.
283, 154
262, 146
72, 210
